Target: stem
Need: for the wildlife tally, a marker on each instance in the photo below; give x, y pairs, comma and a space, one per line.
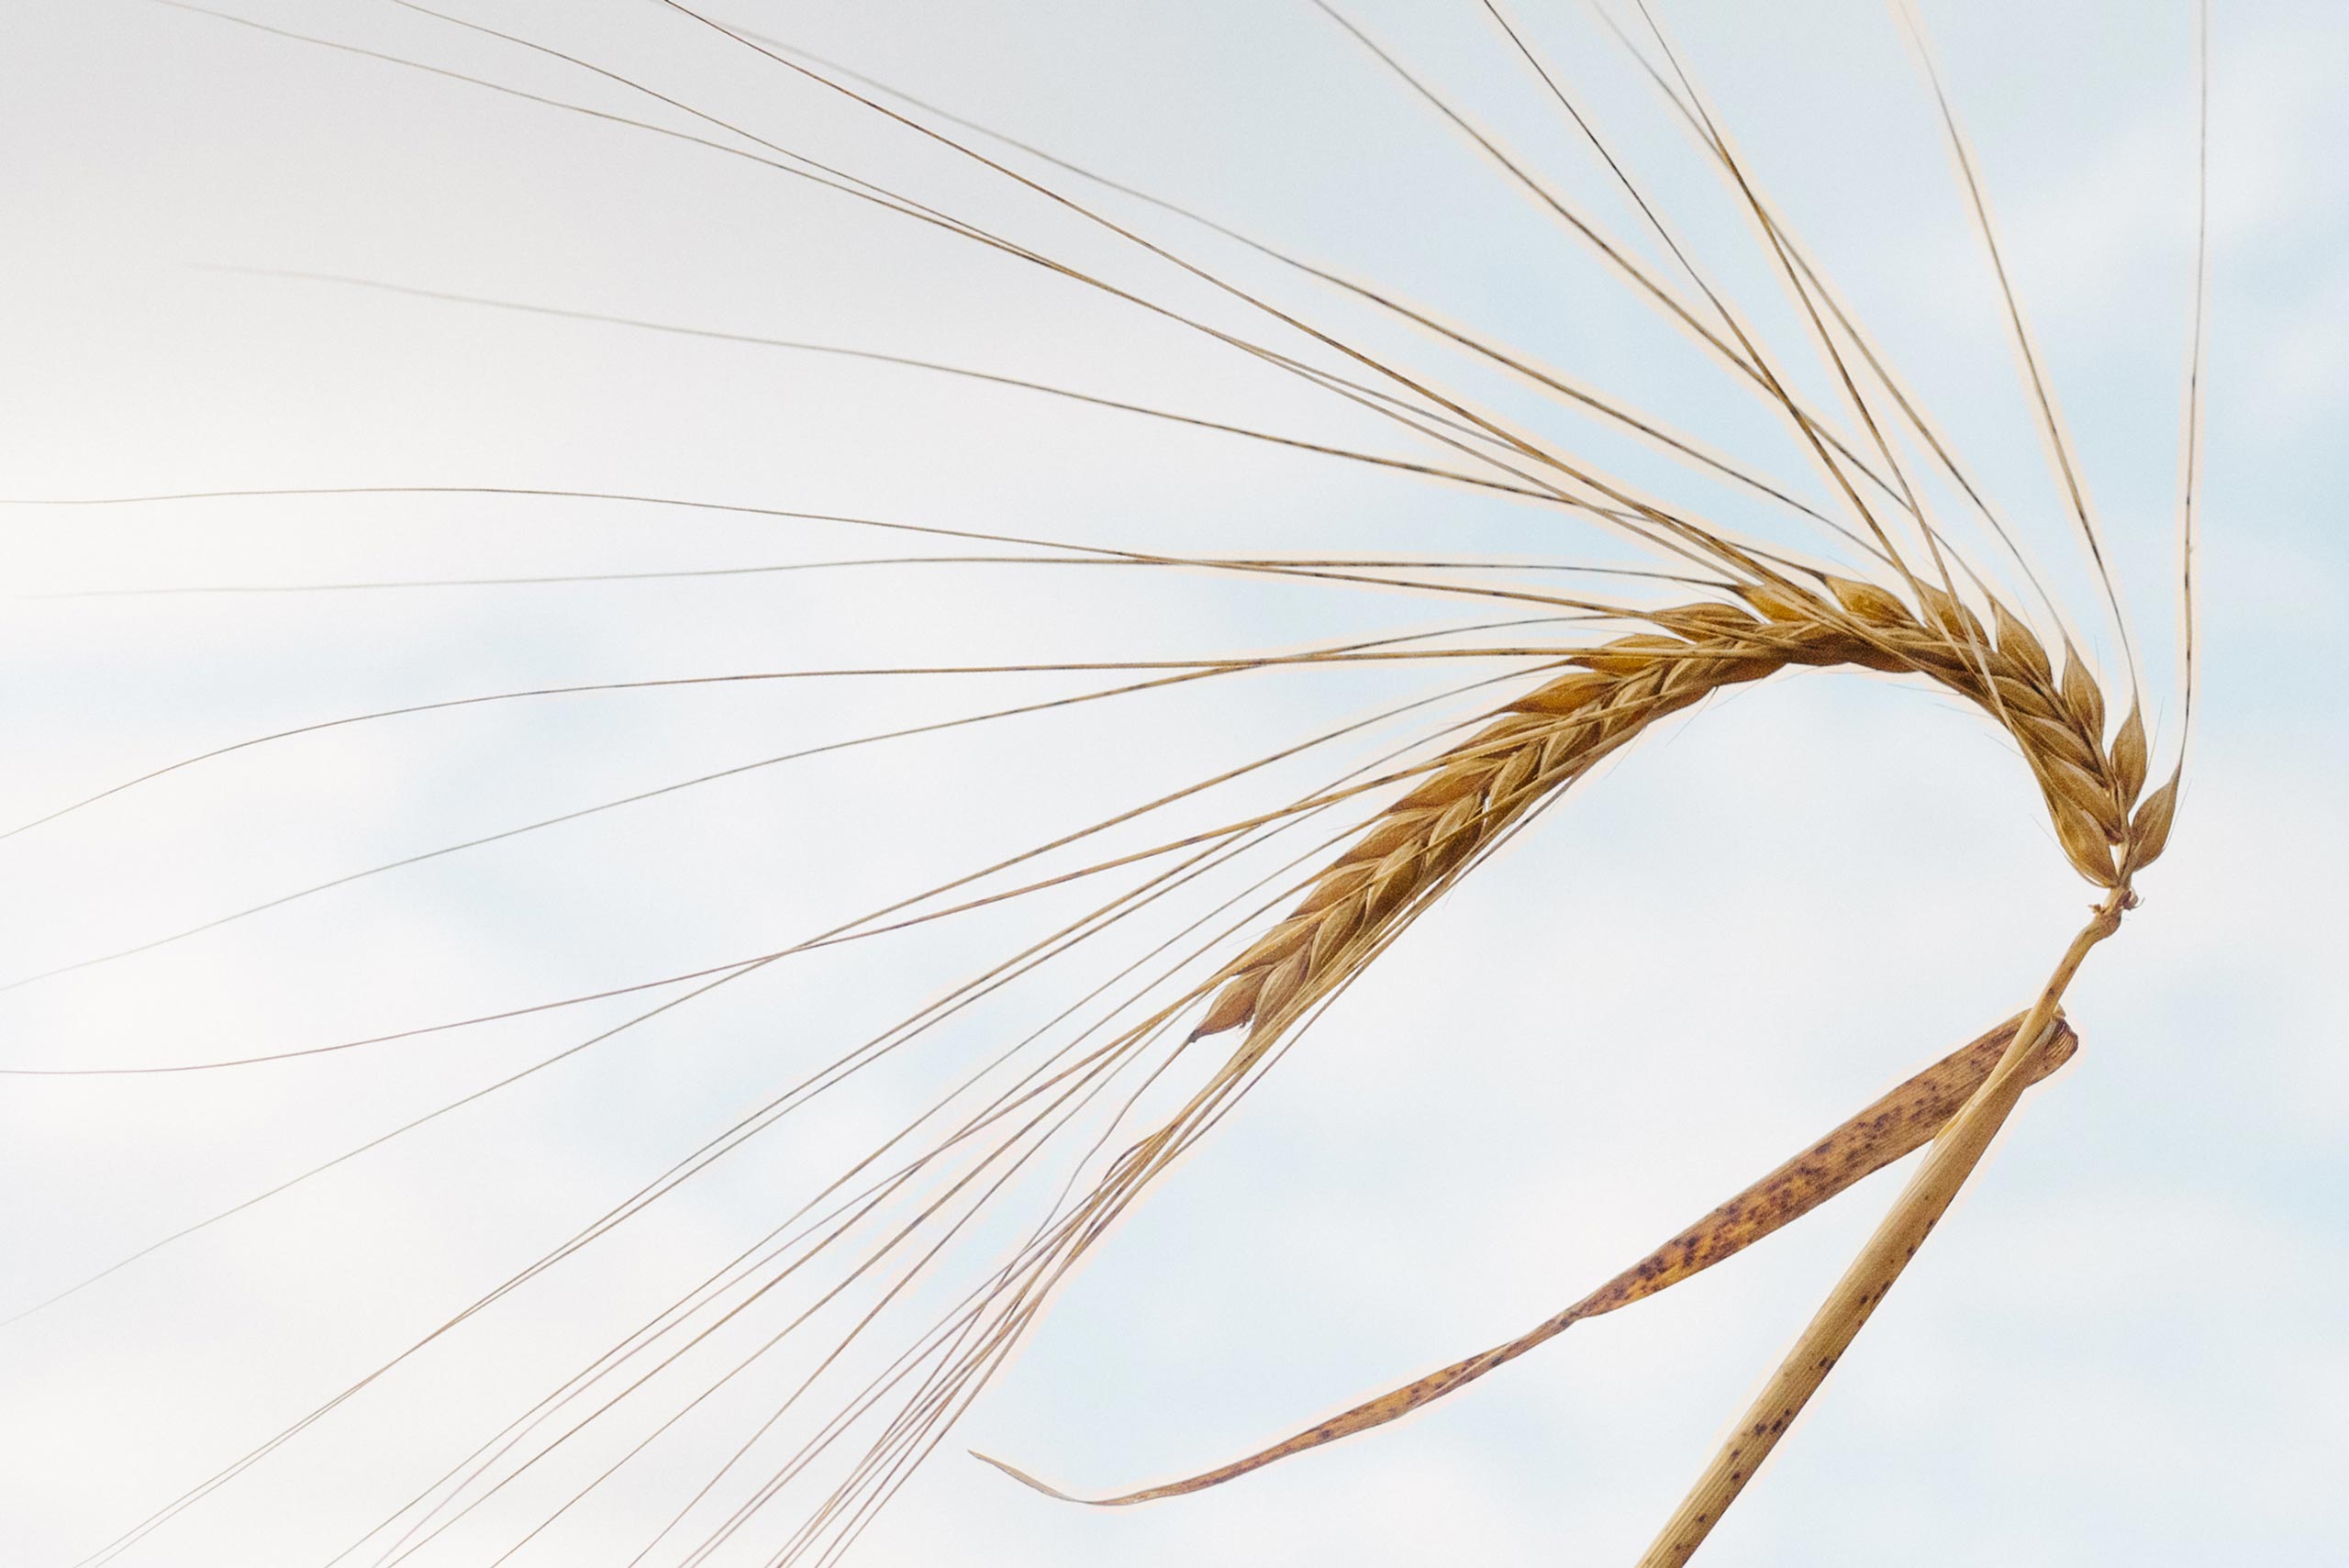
1903, 1230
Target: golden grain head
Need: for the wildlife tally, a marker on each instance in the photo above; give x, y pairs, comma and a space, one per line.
1543, 740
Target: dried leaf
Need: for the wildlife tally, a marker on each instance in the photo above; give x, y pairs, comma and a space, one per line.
1895, 1125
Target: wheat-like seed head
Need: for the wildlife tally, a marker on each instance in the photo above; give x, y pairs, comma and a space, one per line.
1554, 734
1462, 806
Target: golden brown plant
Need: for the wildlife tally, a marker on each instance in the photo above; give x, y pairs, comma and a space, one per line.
1553, 735
1901, 599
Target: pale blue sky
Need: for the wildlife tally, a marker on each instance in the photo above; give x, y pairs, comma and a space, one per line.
2126, 1345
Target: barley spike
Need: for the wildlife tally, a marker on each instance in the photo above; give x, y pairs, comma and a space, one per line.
1552, 734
